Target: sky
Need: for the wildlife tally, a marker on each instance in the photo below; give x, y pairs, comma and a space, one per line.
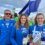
18, 5
10, 4
15, 3
41, 9
42, 6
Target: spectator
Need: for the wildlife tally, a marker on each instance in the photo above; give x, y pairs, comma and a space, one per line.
16, 17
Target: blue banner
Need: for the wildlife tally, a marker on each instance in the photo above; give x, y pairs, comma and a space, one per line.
31, 6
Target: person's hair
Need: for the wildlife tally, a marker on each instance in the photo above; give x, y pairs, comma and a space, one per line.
15, 15
19, 21
38, 14
6, 10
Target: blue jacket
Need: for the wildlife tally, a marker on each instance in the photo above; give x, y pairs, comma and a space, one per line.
21, 32
6, 27
40, 29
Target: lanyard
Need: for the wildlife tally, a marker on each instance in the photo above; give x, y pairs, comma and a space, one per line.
34, 28
36, 35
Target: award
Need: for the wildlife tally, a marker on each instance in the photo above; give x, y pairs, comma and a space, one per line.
25, 40
36, 36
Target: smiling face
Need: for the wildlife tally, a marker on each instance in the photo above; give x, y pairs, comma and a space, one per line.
23, 19
40, 19
7, 14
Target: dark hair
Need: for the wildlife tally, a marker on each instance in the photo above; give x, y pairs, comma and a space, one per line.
38, 14
19, 21
15, 15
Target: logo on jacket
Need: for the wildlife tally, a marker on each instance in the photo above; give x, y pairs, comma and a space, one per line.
7, 24
24, 30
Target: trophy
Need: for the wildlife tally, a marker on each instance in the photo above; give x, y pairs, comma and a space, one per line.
37, 37
25, 36
25, 40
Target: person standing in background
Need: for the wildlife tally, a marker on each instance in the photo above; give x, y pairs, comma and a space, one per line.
16, 17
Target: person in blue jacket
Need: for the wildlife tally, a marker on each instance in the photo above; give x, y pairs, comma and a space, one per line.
38, 28
6, 27
22, 30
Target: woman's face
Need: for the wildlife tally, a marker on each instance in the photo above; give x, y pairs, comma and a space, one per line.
23, 19
40, 19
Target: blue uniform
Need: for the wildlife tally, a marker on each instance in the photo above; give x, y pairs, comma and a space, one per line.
6, 26
21, 32
40, 28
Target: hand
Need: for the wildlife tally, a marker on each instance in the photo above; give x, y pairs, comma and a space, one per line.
31, 44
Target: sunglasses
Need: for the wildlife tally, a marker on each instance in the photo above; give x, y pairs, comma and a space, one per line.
7, 13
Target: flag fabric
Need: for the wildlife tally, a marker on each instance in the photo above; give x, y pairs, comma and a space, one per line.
31, 6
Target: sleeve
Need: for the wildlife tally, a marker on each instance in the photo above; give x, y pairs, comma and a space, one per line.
0, 27
13, 36
30, 33
30, 29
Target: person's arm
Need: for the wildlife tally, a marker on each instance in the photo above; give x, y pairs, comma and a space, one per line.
30, 31
13, 36
30, 35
